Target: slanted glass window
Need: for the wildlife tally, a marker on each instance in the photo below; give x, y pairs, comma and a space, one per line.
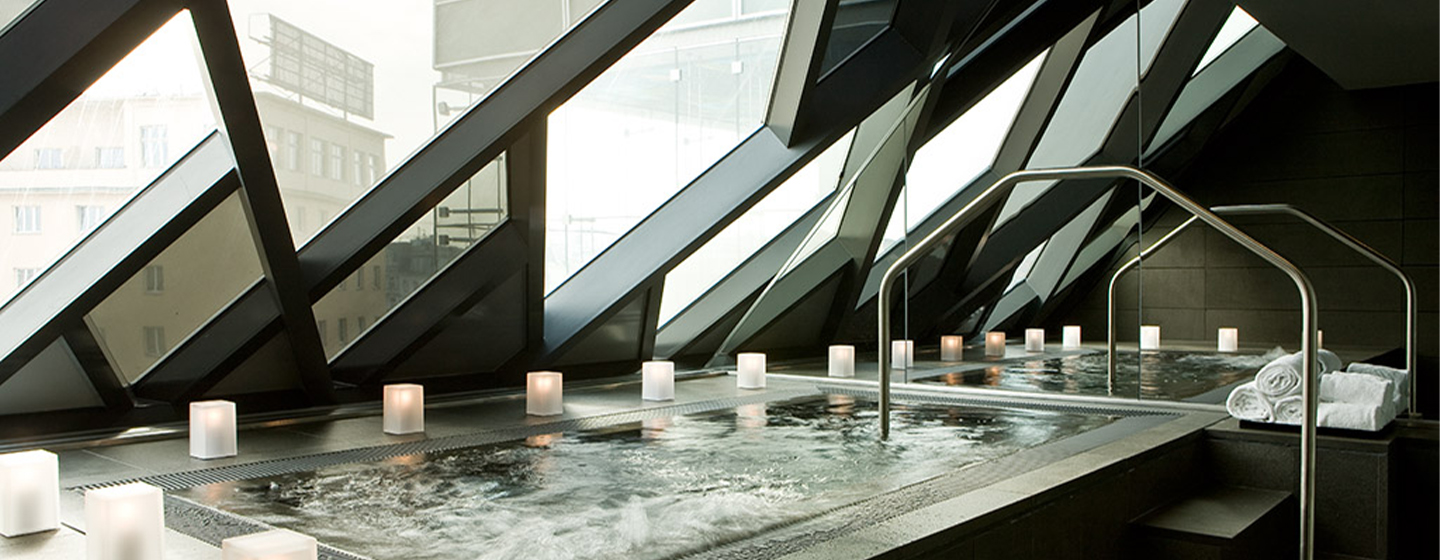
27, 219
154, 279
752, 230
337, 162
23, 276
1236, 26
856, 23
155, 342
154, 102
652, 123
317, 157
293, 141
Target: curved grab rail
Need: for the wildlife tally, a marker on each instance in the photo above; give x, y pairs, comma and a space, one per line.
1310, 388
1411, 307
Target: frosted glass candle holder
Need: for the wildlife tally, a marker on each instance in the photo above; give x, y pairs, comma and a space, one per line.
125, 523
543, 393
657, 381
1319, 339
212, 429
1228, 339
902, 354
29, 493
1034, 340
278, 544
951, 348
842, 360
404, 409
994, 344
1149, 337
750, 370
1070, 336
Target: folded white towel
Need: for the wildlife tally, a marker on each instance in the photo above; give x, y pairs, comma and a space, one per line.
1328, 361
1355, 416
1246, 403
1289, 410
1356, 388
1279, 378
1399, 380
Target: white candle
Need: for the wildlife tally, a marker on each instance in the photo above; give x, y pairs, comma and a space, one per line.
1149, 337
750, 370
1070, 336
1319, 339
994, 344
212, 429
404, 409
951, 348
657, 381
29, 492
1228, 339
543, 393
125, 523
902, 354
278, 544
842, 360
1034, 340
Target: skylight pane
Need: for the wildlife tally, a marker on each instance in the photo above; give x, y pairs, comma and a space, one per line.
1236, 26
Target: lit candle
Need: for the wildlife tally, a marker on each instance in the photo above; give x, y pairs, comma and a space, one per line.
278, 544
1070, 336
842, 360
657, 381
29, 492
1034, 340
994, 344
1319, 339
951, 348
1149, 337
1228, 339
750, 370
543, 393
212, 429
124, 522
902, 354
404, 409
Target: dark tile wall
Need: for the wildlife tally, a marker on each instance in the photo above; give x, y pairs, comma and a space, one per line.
1365, 161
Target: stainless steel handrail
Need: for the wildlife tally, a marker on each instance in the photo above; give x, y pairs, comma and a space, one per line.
1411, 307
1310, 388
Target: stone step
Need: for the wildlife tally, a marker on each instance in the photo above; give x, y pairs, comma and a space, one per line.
1219, 523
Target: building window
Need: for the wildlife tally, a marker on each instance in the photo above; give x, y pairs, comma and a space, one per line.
357, 168
154, 279
343, 326
155, 341
360, 279
27, 219
88, 216
317, 157
23, 276
337, 162
292, 150
110, 157
154, 148
376, 168
273, 136
49, 158
360, 324
320, 326
375, 276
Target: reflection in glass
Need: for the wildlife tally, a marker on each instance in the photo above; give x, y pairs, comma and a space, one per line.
413, 258
345, 99
1236, 26
178, 291
856, 23
113, 140
652, 123
748, 233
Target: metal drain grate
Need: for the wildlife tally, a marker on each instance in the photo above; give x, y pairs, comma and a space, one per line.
1017, 401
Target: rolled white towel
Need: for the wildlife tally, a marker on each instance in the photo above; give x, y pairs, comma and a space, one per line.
1247, 403
1355, 416
1279, 378
1289, 410
1356, 388
1399, 379
1328, 361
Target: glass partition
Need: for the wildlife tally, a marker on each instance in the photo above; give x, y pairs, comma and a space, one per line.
650, 124
92, 157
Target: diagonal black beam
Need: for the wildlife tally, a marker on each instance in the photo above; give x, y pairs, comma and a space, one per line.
473, 140
53, 53
483, 267
115, 251
88, 352
264, 209
807, 33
